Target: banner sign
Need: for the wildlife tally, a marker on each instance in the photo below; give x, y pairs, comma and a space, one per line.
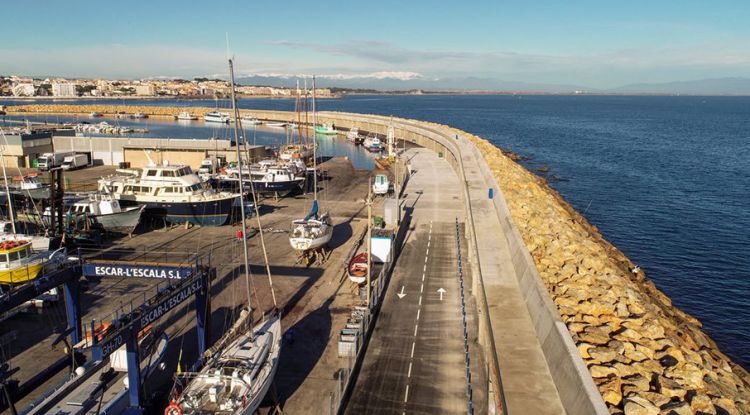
135, 271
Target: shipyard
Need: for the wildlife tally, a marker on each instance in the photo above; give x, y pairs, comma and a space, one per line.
170, 268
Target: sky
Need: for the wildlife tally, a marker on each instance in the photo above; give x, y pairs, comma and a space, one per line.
596, 44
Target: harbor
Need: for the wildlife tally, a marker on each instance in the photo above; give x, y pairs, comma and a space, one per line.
376, 348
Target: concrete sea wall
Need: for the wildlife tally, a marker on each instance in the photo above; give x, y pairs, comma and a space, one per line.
607, 333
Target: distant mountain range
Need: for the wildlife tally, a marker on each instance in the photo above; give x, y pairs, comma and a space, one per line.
720, 86
714, 86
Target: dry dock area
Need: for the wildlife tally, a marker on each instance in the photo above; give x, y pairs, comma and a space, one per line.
316, 300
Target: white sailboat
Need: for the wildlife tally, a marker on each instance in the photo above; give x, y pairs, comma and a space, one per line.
240, 368
314, 230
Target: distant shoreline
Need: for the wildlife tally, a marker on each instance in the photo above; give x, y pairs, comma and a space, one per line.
388, 93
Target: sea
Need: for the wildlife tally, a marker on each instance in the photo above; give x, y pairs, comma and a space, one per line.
666, 179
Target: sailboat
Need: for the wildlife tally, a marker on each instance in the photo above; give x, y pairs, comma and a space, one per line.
240, 368
315, 230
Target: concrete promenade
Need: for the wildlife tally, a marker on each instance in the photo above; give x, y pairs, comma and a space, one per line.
526, 380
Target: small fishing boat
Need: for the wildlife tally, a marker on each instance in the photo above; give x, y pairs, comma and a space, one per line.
353, 135
186, 116
95, 114
276, 124
19, 264
248, 119
325, 129
139, 115
106, 211
294, 151
373, 144
357, 269
216, 116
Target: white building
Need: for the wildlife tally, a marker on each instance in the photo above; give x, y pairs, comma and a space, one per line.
145, 90
23, 90
64, 89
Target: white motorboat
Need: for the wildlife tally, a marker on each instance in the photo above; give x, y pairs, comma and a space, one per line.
139, 115
373, 144
248, 119
216, 116
276, 124
172, 192
106, 211
95, 114
353, 134
186, 116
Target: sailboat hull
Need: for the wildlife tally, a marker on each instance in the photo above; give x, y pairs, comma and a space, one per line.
255, 357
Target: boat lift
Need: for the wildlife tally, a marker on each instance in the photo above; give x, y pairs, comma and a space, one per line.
183, 281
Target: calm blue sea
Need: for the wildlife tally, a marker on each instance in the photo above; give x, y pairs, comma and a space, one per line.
665, 179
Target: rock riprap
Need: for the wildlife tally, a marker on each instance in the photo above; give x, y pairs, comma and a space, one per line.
645, 355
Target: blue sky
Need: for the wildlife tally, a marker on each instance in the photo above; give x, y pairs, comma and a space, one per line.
591, 43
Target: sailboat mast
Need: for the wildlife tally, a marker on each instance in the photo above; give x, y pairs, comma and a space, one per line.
315, 144
7, 189
242, 187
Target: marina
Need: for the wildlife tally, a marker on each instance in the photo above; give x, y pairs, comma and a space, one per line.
353, 356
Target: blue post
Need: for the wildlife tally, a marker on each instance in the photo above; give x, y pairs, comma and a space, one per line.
202, 313
73, 309
134, 371
491, 193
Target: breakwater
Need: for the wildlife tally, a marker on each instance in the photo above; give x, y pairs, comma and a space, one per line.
108, 110
644, 355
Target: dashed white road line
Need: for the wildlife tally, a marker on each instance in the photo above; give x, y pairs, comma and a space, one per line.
406, 395
418, 313
421, 289
408, 374
416, 326
420, 300
414, 343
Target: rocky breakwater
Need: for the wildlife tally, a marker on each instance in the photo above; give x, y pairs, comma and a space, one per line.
645, 355
106, 110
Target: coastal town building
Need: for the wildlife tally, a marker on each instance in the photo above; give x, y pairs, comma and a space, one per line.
145, 90
23, 90
64, 89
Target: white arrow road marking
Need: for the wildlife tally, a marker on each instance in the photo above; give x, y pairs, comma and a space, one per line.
402, 294
441, 291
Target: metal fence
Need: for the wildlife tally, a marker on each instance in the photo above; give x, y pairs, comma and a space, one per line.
463, 320
364, 317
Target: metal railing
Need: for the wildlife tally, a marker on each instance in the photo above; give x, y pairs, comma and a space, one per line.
467, 359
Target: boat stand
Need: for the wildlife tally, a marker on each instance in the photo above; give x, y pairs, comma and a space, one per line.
276, 408
317, 256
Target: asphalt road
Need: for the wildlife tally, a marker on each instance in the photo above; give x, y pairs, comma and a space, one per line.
415, 360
